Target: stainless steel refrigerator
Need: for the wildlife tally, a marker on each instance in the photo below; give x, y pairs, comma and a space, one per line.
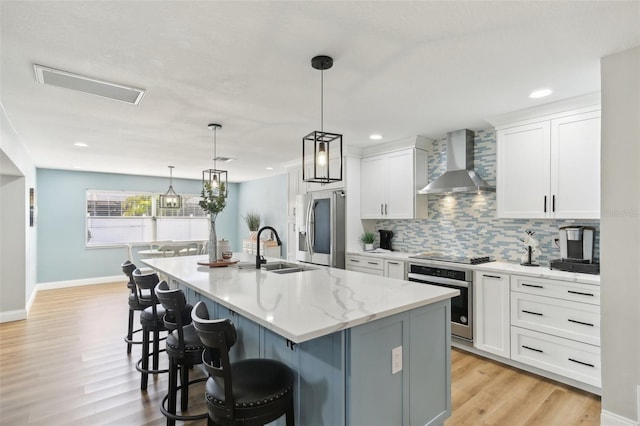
320, 228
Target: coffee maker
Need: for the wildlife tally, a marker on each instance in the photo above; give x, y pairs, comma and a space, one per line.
385, 239
576, 250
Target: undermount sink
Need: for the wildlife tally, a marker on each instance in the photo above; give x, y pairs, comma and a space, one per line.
284, 267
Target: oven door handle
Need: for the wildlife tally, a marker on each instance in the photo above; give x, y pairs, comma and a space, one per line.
438, 280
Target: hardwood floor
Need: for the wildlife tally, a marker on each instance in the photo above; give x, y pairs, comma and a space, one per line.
67, 365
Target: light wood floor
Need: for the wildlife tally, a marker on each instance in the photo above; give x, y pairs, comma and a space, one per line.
67, 365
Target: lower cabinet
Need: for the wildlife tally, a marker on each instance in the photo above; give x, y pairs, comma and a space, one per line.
492, 314
394, 269
365, 264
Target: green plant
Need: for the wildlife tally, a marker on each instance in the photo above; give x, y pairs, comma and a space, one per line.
213, 199
368, 237
252, 219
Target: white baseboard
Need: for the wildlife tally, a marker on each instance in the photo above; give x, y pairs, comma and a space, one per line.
610, 419
16, 315
75, 283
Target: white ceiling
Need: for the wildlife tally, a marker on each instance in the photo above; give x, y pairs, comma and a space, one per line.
400, 69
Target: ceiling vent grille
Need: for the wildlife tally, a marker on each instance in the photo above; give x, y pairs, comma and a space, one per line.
118, 92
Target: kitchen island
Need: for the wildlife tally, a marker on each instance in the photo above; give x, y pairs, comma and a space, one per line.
367, 350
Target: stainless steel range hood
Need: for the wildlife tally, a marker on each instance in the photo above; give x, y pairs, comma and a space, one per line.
460, 176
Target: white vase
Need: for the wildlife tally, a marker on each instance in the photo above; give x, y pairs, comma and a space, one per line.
368, 247
213, 242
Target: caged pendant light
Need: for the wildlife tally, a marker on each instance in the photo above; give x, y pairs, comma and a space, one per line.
215, 177
322, 151
170, 200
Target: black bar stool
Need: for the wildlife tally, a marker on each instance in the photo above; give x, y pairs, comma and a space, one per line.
137, 302
151, 320
184, 348
247, 392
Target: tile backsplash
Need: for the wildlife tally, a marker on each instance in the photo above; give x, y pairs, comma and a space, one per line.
466, 224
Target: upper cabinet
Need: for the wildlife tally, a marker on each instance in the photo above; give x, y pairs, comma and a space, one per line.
549, 166
390, 182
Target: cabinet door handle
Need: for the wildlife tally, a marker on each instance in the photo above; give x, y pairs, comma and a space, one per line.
531, 285
491, 276
533, 349
580, 322
393, 263
545, 204
553, 203
581, 362
385, 209
381, 208
532, 313
580, 293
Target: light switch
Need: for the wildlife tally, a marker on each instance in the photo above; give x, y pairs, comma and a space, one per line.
396, 360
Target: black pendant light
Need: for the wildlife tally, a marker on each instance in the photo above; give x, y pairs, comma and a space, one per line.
322, 151
170, 200
215, 177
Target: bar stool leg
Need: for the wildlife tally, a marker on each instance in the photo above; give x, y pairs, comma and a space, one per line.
184, 392
173, 389
130, 331
145, 358
156, 348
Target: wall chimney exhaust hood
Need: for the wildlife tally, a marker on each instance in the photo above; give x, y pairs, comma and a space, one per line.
460, 176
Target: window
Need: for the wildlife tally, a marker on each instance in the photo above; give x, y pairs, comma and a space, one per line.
116, 218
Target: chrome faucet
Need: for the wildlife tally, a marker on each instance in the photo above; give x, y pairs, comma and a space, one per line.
260, 259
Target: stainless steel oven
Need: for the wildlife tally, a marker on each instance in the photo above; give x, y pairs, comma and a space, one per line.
454, 277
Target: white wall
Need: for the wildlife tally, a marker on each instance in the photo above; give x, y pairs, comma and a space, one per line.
620, 237
18, 248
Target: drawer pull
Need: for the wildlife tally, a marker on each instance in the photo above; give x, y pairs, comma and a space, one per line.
372, 263
580, 322
393, 263
355, 260
533, 313
582, 363
580, 293
531, 285
533, 349
491, 276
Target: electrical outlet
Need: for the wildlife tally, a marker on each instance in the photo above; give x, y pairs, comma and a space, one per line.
396, 360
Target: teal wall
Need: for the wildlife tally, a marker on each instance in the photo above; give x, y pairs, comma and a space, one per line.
268, 197
62, 254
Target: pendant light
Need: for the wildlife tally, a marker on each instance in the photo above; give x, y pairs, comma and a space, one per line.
170, 200
322, 151
217, 178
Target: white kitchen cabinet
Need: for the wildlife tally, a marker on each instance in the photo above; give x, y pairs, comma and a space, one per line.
389, 185
555, 326
491, 320
394, 269
549, 167
365, 264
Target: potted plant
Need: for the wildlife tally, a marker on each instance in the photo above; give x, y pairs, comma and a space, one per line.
252, 220
367, 238
213, 202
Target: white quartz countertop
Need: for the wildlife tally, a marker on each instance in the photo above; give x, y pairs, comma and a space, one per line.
303, 305
541, 271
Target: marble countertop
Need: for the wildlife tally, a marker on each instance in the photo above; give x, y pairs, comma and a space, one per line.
541, 271
303, 305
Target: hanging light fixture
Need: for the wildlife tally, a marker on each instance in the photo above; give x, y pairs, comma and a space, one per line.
215, 177
170, 200
322, 151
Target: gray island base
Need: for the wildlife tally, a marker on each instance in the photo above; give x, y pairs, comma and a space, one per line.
366, 350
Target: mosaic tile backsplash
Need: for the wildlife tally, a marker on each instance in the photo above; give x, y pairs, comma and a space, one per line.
466, 224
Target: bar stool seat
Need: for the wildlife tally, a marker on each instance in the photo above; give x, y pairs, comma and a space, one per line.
247, 392
184, 348
152, 322
137, 303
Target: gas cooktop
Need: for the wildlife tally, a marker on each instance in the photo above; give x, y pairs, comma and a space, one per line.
466, 260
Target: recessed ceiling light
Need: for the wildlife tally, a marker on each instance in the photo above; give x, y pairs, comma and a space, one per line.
375, 137
541, 93
268, 168
80, 144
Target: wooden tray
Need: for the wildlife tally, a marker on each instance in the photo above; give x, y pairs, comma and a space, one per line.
218, 263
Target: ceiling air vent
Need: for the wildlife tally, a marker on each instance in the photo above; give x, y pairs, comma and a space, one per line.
68, 80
